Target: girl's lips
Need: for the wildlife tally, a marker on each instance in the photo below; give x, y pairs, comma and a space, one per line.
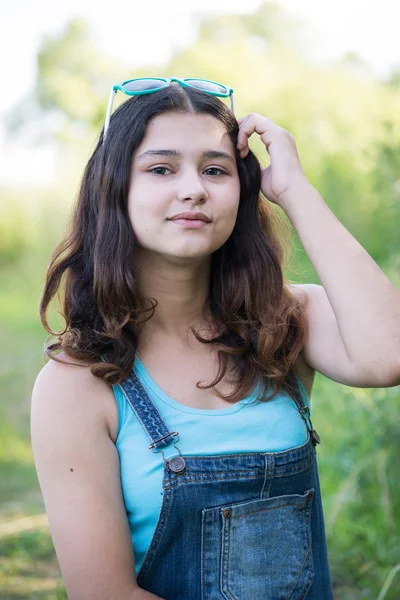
190, 223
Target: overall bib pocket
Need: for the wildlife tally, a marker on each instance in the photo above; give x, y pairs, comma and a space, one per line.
264, 548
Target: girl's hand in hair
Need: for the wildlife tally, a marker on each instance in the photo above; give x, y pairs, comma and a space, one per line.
285, 171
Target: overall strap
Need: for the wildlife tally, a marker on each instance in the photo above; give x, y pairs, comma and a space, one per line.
146, 411
303, 408
151, 421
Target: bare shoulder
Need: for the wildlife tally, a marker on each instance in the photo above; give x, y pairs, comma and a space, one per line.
72, 373
81, 390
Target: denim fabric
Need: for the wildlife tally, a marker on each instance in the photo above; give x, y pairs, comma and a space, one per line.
245, 526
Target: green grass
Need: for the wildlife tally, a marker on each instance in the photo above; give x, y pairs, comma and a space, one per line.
29, 568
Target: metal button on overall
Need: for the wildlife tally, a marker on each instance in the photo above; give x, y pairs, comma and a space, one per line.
177, 464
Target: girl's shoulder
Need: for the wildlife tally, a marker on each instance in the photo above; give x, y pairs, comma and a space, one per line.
86, 394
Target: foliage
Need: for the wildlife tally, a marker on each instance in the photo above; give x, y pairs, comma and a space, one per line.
347, 128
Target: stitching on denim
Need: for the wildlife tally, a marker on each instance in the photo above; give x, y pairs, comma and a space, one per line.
203, 480
268, 477
294, 463
311, 560
307, 529
303, 466
303, 454
289, 467
205, 477
306, 507
224, 587
202, 555
262, 510
310, 580
229, 473
293, 466
242, 474
306, 559
157, 536
142, 405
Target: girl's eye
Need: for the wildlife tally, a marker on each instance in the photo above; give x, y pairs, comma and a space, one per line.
157, 169
216, 169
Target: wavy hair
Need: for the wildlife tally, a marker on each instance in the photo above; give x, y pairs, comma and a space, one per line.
261, 325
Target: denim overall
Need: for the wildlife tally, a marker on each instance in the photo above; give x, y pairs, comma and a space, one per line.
244, 526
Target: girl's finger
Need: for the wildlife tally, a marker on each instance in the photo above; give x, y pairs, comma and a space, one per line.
243, 136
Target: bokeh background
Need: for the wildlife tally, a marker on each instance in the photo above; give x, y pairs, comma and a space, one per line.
329, 72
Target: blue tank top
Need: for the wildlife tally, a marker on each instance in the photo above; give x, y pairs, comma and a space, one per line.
246, 426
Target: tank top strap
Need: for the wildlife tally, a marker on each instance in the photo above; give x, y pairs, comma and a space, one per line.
304, 410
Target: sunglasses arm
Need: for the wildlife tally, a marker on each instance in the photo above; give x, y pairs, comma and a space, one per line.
232, 106
109, 110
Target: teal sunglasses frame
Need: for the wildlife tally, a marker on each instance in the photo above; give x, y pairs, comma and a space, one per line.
164, 82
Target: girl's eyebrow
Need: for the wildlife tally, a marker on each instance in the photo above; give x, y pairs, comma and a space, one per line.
176, 154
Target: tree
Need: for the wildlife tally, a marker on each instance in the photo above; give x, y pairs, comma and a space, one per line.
72, 86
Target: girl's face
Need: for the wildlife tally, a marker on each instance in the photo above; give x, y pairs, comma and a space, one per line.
184, 163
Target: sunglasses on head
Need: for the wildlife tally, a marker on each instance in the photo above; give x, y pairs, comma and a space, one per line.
147, 85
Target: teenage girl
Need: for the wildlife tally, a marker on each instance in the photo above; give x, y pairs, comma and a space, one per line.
172, 434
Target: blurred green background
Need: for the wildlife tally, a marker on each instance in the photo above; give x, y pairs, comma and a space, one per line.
346, 122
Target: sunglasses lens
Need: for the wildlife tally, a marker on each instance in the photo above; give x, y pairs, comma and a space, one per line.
207, 86
139, 85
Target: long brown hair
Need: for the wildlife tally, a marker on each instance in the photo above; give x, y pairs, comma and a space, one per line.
263, 325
